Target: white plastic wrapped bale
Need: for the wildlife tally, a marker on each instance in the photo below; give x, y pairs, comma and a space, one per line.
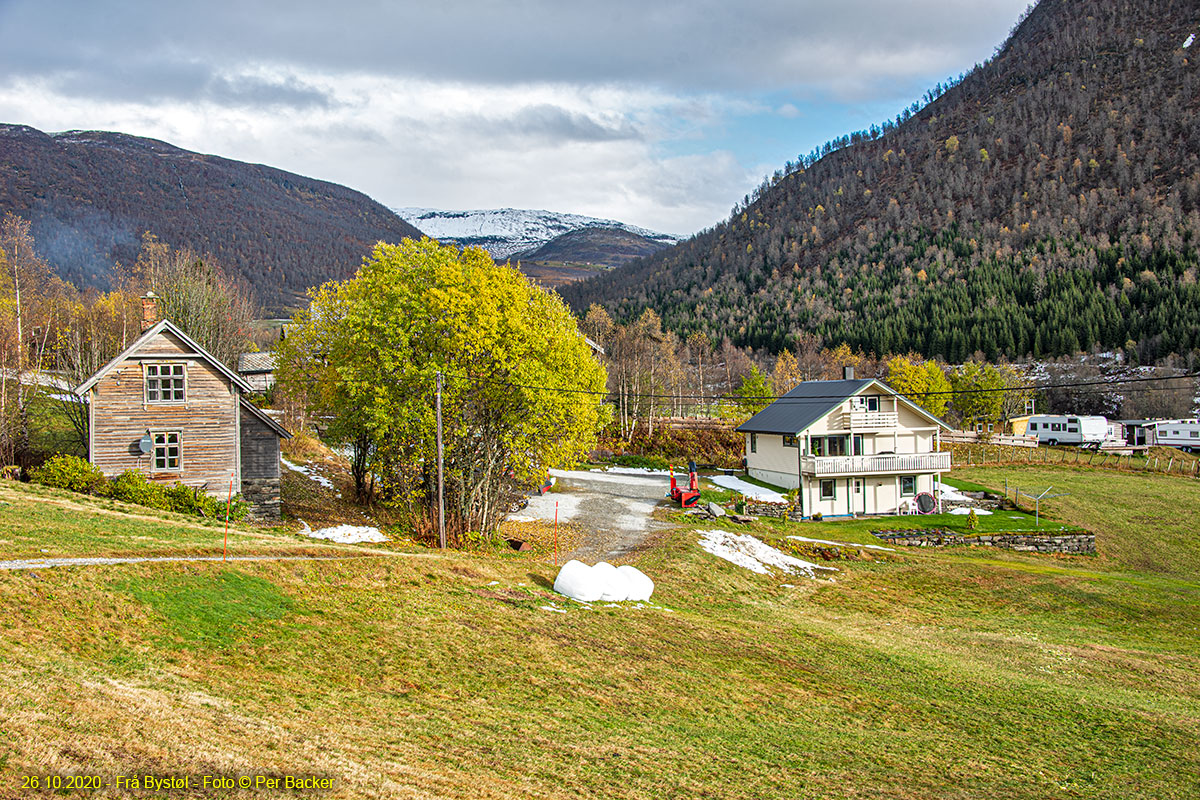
640, 585
602, 582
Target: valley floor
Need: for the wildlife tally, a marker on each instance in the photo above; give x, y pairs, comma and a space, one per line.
964, 672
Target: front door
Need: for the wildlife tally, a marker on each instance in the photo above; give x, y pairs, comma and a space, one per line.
858, 498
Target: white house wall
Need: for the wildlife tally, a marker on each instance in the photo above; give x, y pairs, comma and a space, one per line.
772, 462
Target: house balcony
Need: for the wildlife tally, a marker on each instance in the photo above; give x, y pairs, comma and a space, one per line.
831, 466
870, 420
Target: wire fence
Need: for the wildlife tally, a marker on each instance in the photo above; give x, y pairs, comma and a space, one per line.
1175, 463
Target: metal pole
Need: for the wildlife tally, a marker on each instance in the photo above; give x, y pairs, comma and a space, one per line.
441, 480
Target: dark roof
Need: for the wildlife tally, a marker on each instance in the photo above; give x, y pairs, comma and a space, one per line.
802, 406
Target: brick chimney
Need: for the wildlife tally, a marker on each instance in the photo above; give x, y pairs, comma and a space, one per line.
149, 310
847, 372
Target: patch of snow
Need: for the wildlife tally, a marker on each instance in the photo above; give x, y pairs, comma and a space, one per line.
552, 608
754, 554
954, 495
541, 508
345, 534
748, 489
494, 583
608, 477
602, 582
838, 544
979, 512
1188, 41
321, 479
507, 231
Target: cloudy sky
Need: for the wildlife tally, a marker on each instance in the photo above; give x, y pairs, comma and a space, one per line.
661, 113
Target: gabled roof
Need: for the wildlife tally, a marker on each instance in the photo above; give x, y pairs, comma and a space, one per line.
150, 333
796, 411
265, 418
255, 363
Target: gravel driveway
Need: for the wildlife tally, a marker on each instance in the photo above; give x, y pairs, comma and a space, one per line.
613, 510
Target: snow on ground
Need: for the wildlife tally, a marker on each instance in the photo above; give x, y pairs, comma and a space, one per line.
838, 544
755, 555
609, 477
541, 508
979, 512
345, 534
954, 495
748, 489
321, 479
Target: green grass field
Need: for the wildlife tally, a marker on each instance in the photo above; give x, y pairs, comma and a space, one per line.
957, 673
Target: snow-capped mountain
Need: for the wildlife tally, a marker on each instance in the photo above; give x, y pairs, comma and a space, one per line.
504, 232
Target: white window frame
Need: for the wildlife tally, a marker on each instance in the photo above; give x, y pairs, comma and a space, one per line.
912, 478
178, 371
833, 489
166, 444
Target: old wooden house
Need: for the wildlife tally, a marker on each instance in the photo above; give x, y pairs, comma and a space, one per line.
169, 408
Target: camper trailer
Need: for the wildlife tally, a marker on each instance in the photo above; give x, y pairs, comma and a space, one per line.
1052, 430
1181, 433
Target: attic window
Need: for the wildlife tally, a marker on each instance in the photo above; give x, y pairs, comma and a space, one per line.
165, 383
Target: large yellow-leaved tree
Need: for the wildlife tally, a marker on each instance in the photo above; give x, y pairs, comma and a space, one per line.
522, 390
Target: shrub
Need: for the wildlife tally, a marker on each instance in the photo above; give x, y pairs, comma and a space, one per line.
972, 521
186, 500
73, 473
134, 487
647, 462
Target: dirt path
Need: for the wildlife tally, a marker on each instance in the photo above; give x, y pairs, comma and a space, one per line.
45, 563
613, 509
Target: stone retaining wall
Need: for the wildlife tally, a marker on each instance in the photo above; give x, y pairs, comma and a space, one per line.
1071, 543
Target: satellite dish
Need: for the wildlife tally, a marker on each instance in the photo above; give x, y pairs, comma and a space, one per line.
146, 444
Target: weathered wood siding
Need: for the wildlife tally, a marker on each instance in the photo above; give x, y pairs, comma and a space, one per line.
260, 467
207, 421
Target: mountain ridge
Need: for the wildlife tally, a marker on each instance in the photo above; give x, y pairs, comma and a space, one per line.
506, 232
1049, 202
90, 195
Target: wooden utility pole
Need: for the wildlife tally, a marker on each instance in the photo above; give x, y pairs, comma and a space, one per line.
441, 482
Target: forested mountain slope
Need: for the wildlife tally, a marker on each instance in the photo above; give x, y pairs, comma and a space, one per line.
609, 247
1048, 202
91, 195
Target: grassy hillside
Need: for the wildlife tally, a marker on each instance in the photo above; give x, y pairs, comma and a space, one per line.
956, 673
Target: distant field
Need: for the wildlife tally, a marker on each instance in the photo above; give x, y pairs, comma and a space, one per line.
957, 673
553, 274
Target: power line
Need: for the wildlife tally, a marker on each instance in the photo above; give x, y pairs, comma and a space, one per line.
805, 398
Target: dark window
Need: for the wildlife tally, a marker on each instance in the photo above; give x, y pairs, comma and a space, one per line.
817, 445
829, 490
908, 485
858, 444
166, 451
1033, 426
789, 441
835, 446
872, 404
754, 443
165, 383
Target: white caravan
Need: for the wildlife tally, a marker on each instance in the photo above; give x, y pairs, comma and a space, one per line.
1053, 430
1181, 433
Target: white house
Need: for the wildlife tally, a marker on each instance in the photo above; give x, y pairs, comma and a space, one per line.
849, 446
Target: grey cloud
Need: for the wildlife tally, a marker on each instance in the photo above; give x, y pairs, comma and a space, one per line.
557, 124
682, 45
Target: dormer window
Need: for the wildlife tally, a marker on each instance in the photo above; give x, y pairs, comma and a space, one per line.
166, 383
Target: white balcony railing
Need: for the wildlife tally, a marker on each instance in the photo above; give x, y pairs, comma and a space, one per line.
870, 420
874, 465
